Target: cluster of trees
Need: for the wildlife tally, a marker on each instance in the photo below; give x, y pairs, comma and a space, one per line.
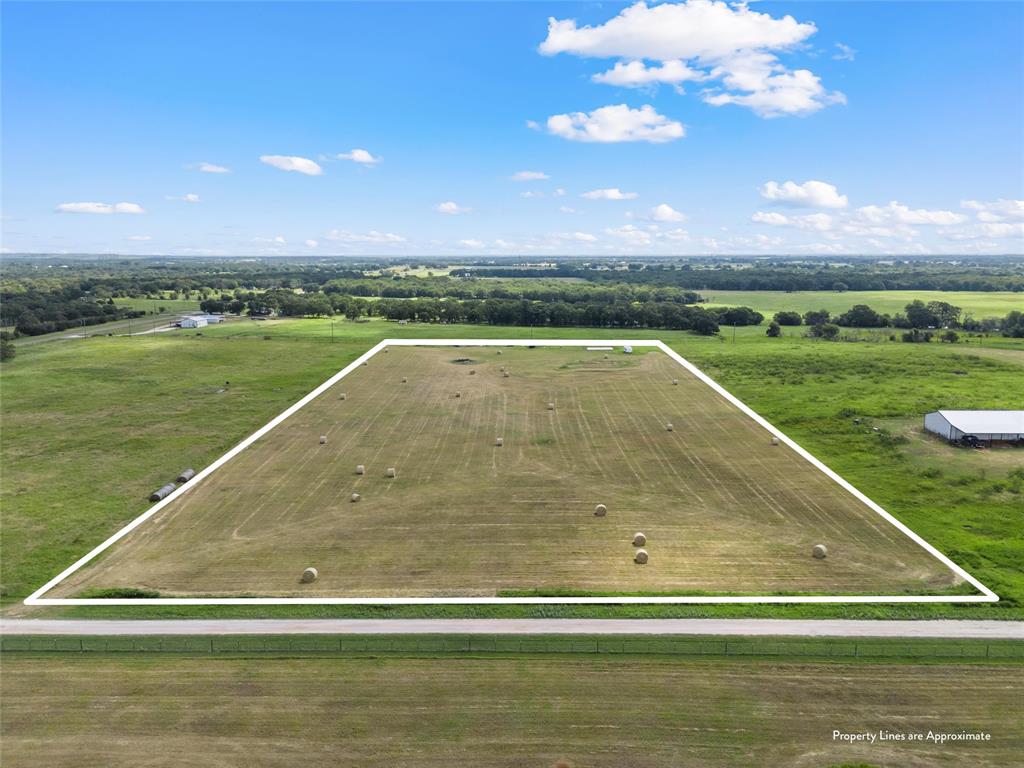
33, 312
917, 314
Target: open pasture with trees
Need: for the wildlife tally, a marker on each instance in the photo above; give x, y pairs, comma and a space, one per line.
504, 460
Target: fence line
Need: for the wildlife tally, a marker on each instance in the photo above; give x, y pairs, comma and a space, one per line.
477, 644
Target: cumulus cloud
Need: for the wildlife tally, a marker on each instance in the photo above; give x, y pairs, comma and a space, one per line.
728, 43
566, 209
630, 233
902, 214
579, 237
100, 208
472, 243
360, 156
311, 243
772, 218
529, 176
291, 163
451, 208
191, 197
821, 222
558, 193
616, 123
212, 168
996, 210
612, 193
665, 212
810, 194
373, 236
636, 74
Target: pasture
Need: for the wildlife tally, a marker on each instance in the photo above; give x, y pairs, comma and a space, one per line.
724, 511
980, 304
91, 427
521, 709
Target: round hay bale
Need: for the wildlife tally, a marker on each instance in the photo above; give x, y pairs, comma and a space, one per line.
639, 539
360, 469
386, 350
668, 427
472, 371
640, 558
506, 374
499, 351
551, 406
498, 441
502, 368
820, 551
186, 475
323, 439
365, 363
675, 382
600, 510
775, 441
458, 394
405, 379
309, 575
355, 497
390, 472
606, 357
342, 396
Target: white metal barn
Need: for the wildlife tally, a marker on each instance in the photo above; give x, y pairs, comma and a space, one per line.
984, 426
193, 322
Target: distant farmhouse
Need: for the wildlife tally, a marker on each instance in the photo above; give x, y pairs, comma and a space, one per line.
977, 427
200, 321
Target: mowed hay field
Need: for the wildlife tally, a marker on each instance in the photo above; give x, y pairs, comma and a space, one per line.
519, 711
724, 511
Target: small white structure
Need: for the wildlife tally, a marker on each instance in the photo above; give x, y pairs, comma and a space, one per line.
193, 322
983, 426
627, 349
213, 319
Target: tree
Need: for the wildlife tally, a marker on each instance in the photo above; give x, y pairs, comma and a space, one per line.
787, 318
917, 336
1012, 325
819, 317
840, 287
774, 331
7, 349
826, 331
946, 314
862, 316
950, 336
919, 315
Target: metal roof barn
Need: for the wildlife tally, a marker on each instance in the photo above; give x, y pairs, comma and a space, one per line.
984, 425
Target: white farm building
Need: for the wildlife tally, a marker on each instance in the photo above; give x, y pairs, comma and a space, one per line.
193, 322
977, 426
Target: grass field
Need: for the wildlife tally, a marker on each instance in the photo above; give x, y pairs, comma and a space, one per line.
90, 428
723, 510
980, 304
522, 710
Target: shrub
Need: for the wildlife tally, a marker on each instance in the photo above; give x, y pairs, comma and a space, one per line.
788, 318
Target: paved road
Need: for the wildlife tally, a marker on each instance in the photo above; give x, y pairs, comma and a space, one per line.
987, 630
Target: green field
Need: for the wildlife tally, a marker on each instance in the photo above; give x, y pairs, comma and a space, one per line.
512, 710
980, 304
722, 509
90, 428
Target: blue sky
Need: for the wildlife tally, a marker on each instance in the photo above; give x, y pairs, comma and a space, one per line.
667, 128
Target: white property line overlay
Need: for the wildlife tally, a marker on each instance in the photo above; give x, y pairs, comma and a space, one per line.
987, 596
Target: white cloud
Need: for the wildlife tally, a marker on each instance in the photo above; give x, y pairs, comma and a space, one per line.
580, 237
676, 234
616, 123
101, 208
558, 193
139, 238
279, 239
810, 194
665, 212
311, 243
359, 156
212, 168
998, 230
191, 197
566, 209
531, 194
612, 193
529, 176
451, 208
773, 219
636, 74
702, 39
901, 214
472, 243
996, 210
630, 233
846, 53
533, 125
373, 236
291, 163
